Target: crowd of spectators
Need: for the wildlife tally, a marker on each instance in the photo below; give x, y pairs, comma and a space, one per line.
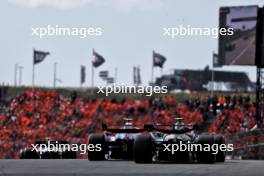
41, 114
235, 119
234, 114
248, 145
37, 115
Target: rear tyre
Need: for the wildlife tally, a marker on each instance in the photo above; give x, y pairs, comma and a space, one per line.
205, 156
143, 149
220, 156
97, 155
29, 154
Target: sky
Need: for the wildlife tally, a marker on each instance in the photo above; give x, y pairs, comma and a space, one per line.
131, 30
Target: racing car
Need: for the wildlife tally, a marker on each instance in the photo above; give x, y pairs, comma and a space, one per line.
160, 144
41, 151
116, 142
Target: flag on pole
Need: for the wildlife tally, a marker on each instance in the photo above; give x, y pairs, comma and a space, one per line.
158, 60
134, 75
59, 80
39, 56
138, 76
98, 59
110, 80
103, 74
83, 74
216, 62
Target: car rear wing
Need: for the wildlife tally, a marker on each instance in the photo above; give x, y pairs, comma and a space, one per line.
158, 128
149, 128
122, 130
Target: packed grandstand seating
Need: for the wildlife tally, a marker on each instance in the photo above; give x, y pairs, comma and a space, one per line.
43, 114
235, 114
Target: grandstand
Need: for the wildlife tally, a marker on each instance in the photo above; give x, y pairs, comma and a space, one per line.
39, 114
201, 80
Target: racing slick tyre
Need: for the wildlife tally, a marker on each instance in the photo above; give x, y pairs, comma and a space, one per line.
205, 156
143, 149
97, 155
29, 154
220, 156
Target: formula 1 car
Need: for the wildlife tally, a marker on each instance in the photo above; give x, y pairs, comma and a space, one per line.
42, 151
161, 142
116, 143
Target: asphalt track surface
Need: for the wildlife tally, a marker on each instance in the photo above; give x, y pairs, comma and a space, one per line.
244, 53
102, 168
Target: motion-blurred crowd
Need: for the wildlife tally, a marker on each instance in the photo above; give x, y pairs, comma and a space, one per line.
41, 114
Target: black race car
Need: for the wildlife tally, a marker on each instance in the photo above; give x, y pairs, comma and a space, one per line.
41, 151
161, 142
116, 142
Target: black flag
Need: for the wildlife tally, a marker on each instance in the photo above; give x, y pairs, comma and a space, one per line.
158, 60
216, 62
82, 74
98, 59
39, 56
110, 80
135, 75
103, 74
138, 76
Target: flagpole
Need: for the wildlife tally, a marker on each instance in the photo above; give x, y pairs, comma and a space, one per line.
212, 91
138, 75
15, 75
92, 76
152, 74
33, 82
33, 72
152, 68
80, 84
116, 75
55, 75
20, 68
81, 77
33, 76
134, 75
92, 81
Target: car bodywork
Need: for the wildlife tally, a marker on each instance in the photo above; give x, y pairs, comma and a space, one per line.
151, 147
116, 142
